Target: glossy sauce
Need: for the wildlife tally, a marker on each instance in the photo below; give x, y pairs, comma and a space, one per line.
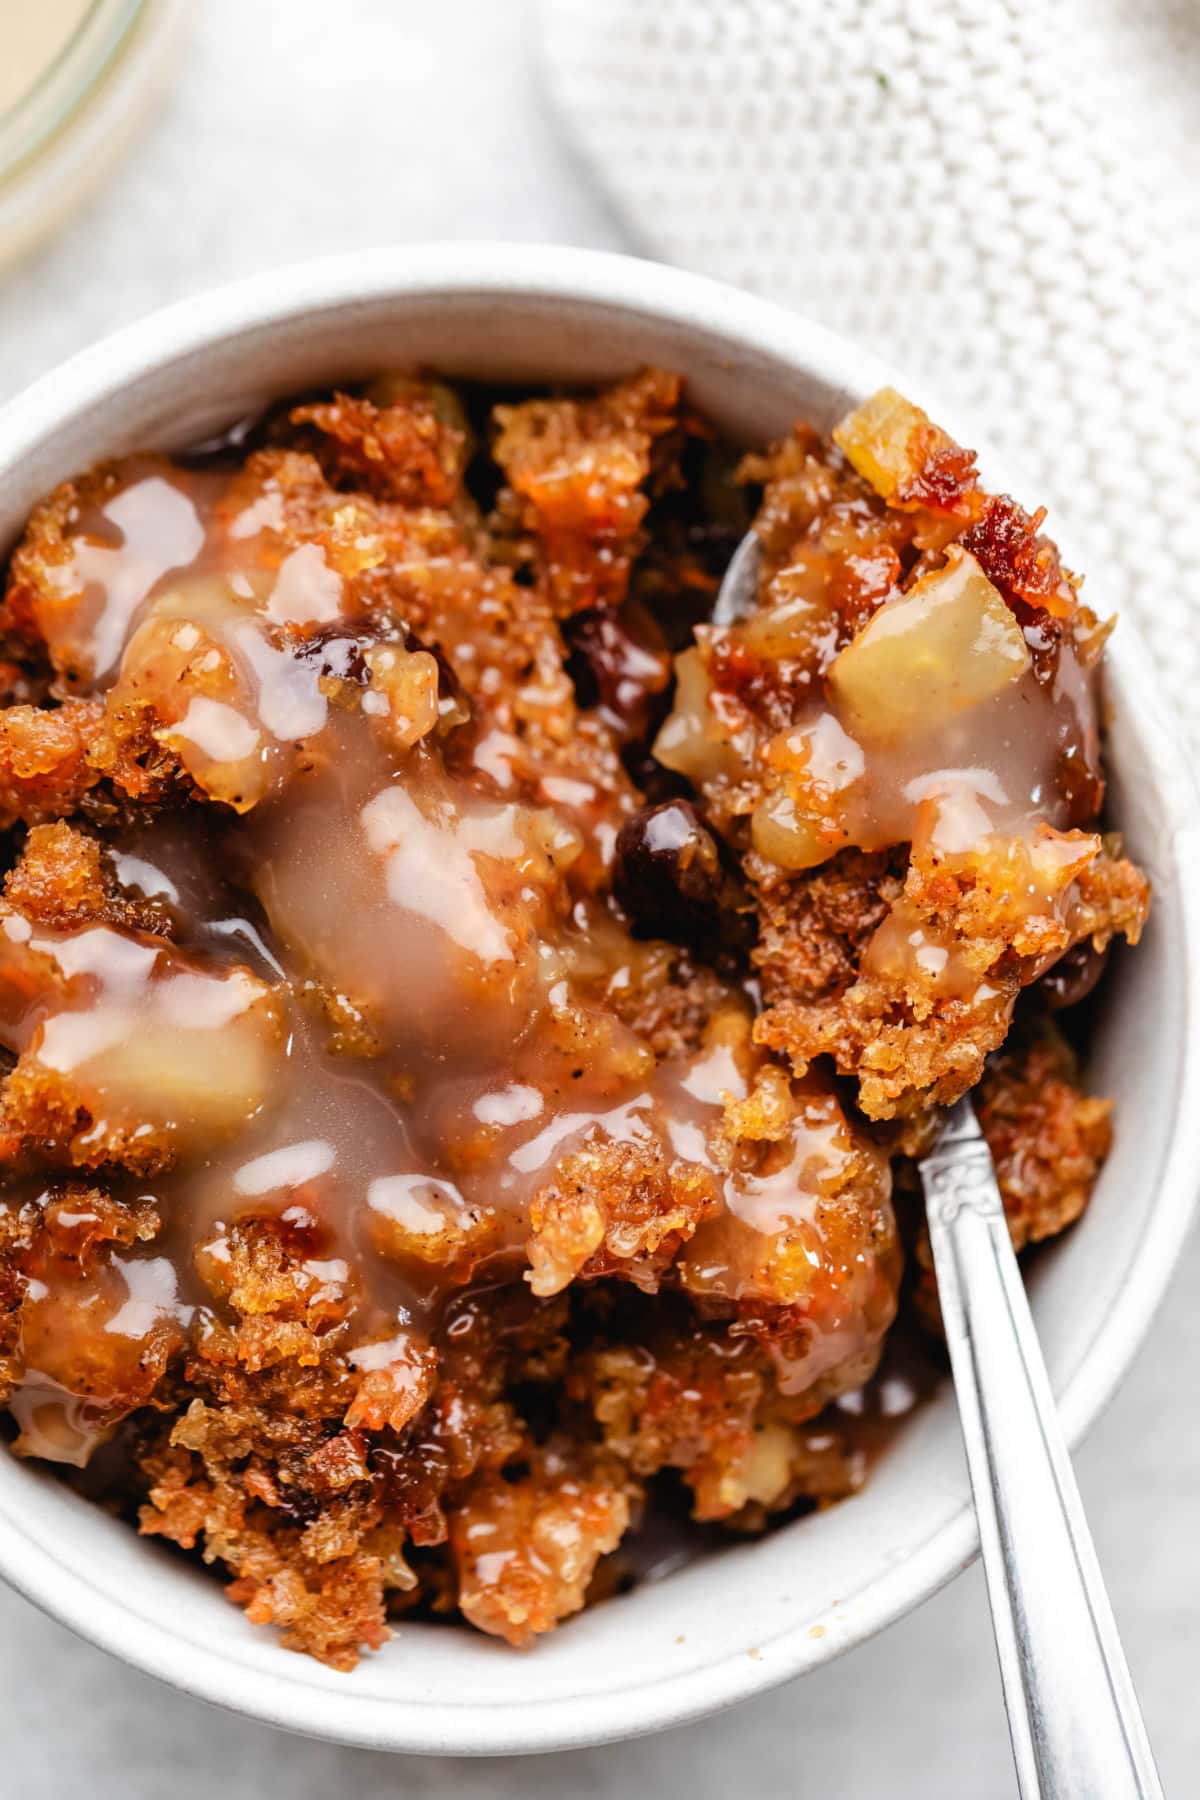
389, 1007
934, 726
386, 1009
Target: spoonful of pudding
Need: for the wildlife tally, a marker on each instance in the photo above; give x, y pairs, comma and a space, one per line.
933, 725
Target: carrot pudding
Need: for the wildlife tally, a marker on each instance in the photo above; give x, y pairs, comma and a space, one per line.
469, 1020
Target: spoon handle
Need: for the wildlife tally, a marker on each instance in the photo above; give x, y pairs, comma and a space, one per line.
1074, 1718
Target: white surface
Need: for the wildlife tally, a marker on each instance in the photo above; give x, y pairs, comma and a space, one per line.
220, 188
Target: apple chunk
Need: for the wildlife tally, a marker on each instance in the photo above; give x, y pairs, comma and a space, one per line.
947, 645
127, 1050
909, 461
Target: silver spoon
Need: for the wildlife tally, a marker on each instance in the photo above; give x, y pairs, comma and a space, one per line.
1073, 1715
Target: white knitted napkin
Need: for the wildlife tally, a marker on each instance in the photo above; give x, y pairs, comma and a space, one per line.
1002, 196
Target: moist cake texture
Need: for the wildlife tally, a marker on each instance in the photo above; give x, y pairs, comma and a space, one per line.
469, 1020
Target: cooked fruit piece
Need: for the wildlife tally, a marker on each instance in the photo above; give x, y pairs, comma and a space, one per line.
127, 1051
695, 740
800, 822
906, 458
947, 645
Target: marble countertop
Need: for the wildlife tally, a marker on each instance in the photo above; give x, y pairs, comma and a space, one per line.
304, 128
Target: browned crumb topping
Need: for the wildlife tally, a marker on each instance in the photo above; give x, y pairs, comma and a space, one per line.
461, 1008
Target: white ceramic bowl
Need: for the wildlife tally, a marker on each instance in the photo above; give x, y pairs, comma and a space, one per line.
752, 1615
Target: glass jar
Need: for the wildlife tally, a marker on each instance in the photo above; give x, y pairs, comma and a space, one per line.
77, 79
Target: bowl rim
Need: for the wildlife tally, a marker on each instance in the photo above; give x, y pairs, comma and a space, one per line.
519, 273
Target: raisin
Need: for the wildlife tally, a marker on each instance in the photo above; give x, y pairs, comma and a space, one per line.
1081, 786
617, 666
337, 652
1073, 976
673, 878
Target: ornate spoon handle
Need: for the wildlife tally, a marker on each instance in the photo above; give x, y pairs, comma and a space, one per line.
1076, 1727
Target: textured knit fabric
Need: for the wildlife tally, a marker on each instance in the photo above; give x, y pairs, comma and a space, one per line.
1000, 197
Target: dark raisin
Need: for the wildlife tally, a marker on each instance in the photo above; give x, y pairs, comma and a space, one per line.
334, 650
1073, 976
297, 1505
619, 664
410, 1477
653, 780
674, 880
337, 650
1081, 786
